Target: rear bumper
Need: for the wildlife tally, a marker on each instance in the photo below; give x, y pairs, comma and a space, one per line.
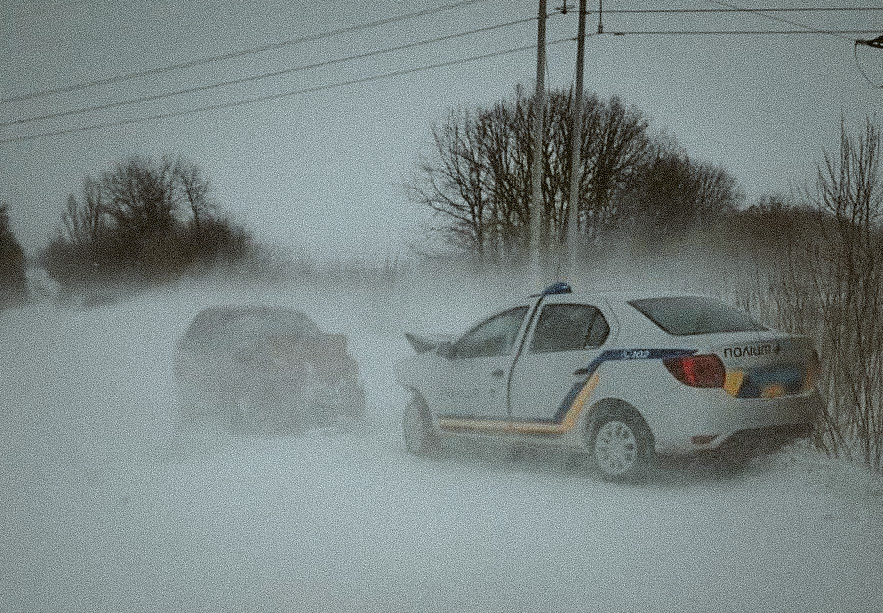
762, 439
748, 425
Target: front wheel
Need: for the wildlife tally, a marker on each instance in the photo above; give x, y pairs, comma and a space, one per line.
420, 439
622, 447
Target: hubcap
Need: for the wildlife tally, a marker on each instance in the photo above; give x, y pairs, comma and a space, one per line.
616, 448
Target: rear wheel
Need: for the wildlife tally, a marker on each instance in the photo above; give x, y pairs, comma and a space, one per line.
420, 439
622, 446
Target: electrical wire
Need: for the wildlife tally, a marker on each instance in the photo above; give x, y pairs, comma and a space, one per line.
236, 54
251, 78
840, 34
256, 100
730, 9
862, 70
771, 17
736, 9
738, 32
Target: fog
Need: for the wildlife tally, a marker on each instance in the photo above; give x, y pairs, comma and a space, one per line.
107, 506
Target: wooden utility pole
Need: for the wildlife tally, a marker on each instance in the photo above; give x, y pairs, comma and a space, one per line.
536, 170
572, 238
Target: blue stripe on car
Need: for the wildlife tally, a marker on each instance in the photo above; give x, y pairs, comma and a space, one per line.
613, 355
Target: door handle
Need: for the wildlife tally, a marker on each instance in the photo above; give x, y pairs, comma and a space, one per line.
497, 373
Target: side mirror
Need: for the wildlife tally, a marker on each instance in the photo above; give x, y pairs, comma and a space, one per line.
446, 350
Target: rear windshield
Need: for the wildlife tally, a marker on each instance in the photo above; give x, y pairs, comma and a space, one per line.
687, 315
221, 326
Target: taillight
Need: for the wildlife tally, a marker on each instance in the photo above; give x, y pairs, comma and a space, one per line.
697, 370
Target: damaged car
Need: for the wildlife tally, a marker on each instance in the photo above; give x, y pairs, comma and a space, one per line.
265, 368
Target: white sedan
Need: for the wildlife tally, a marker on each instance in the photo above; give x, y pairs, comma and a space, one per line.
621, 378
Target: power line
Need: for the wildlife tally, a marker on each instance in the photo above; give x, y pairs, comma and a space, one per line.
768, 13
737, 32
219, 106
779, 19
318, 88
735, 9
251, 78
877, 43
235, 54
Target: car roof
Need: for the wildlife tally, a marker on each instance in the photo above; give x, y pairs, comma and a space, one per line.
631, 324
249, 320
617, 302
614, 298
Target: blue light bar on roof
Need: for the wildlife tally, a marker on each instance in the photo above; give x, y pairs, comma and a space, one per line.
557, 288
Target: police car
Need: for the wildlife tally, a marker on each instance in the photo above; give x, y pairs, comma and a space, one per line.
621, 378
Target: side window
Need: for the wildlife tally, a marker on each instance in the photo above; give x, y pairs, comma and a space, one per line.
569, 327
495, 336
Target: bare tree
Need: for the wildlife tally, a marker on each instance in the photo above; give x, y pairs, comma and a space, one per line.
850, 289
479, 179
145, 220
621, 147
828, 283
196, 189
458, 186
13, 284
141, 199
82, 219
670, 194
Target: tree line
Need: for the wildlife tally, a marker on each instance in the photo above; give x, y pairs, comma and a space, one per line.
827, 282
143, 222
13, 283
631, 182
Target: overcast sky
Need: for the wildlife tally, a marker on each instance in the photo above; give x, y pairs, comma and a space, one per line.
323, 171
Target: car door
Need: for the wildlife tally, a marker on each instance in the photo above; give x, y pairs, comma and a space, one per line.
565, 339
474, 384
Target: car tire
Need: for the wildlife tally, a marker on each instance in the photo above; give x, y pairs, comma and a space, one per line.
621, 446
420, 438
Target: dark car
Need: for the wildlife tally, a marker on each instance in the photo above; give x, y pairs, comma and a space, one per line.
265, 368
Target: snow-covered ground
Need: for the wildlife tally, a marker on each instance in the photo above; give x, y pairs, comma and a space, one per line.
106, 506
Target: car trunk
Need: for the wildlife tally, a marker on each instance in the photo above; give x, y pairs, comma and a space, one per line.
766, 363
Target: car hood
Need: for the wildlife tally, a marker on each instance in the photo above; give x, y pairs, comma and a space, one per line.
427, 342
